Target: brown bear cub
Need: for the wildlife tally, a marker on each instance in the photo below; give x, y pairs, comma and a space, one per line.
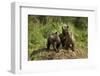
66, 39
55, 41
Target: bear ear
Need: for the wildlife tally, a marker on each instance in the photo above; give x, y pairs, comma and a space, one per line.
62, 28
55, 32
67, 27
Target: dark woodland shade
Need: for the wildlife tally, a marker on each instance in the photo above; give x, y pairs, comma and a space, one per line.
79, 22
40, 27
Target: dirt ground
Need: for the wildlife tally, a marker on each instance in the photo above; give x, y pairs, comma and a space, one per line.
43, 54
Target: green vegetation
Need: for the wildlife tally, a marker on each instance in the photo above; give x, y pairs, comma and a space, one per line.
40, 27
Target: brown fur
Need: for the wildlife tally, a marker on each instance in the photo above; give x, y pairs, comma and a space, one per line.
54, 40
66, 39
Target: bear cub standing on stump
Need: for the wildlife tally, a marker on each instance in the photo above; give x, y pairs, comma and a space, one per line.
55, 41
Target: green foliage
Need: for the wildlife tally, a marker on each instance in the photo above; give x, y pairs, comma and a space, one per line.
40, 27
